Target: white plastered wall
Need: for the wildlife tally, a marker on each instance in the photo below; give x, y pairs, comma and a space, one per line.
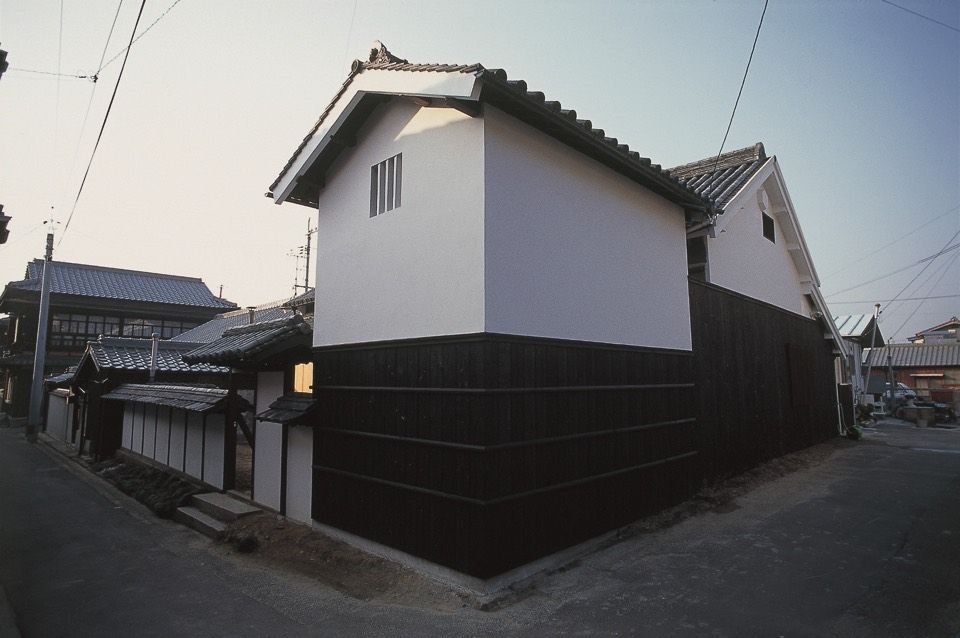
743, 260
269, 442
58, 412
576, 251
416, 270
299, 473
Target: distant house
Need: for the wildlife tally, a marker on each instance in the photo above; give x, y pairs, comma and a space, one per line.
89, 301
509, 356
946, 332
922, 366
111, 361
859, 331
278, 353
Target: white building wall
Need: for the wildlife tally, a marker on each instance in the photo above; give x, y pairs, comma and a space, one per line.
299, 473
149, 430
417, 270
58, 412
269, 389
163, 435
136, 444
128, 412
743, 260
213, 449
178, 431
576, 251
194, 460
266, 471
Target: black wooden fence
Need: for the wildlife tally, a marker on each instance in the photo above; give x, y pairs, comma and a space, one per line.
765, 380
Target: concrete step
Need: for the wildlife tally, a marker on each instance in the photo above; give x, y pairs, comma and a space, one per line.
194, 518
222, 507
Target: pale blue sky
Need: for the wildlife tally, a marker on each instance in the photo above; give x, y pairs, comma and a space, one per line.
860, 101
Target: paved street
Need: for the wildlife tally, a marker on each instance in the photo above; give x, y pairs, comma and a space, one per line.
866, 543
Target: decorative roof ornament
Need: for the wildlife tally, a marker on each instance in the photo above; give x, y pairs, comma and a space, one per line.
380, 55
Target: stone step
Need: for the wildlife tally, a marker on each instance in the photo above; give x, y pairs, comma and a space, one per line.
222, 507
195, 519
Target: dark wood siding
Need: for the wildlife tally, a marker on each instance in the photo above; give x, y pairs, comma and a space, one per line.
765, 380
484, 452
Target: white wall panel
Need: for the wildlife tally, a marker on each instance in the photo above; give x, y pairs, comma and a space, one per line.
194, 444
213, 451
269, 389
149, 430
266, 471
416, 270
163, 435
299, 473
177, 434
137, 445
128, 413
576, 251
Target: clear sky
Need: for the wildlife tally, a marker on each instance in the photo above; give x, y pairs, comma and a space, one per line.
860, 101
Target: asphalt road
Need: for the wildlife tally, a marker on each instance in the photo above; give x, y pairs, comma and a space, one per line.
867, 543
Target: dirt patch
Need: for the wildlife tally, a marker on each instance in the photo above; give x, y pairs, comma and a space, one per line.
350, 571
163, 493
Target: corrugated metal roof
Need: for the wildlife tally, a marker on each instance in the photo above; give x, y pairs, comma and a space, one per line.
214, 329
189, 398
560, 119
246, 344
114, 283
719, 179
118, 353
290, 409
915, 355
852, 325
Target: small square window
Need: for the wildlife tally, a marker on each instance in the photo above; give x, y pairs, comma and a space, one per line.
768, 230
385, 185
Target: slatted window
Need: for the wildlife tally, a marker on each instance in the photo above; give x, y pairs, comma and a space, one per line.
385, 185
768, 230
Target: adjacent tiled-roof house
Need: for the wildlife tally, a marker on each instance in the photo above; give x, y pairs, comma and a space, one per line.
859, 331
946, 332
508, 350
88, 301
924, 366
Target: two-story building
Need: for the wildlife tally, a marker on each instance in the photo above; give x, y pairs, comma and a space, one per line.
87, 302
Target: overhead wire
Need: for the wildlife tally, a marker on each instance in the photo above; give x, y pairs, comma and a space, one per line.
899, 238
132, 42
946, 270
742, 83
917, 276
920, 15
853, 301
106, 116
897, 271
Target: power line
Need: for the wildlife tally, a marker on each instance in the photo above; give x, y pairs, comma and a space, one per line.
898, 270
920, 15
929, 263
55, 73
836, 303
132, 42
891, 243
742, 83
919, 305
106, 116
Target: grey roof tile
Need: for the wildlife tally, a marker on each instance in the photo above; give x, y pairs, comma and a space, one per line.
291, 409
915, 355
193, 399
116, 283
119, 353
381, 59
249, 343
214, 329
719, 179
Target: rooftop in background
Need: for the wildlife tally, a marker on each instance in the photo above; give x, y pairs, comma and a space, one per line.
193, 399
214, 328
719, 179
511, 96
947, 331
256, 343
117, 353
114, 283
858, 328
915, 355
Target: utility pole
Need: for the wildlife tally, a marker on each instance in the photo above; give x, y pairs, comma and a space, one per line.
890, 374
303, 251
873, 348
306, 269
35, 419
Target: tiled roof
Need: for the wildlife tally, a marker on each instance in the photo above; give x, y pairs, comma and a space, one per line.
290, 409
214, 329
915, 355
719, 179
118, 353
61, 380
175, 396
114, 283
301, 300
951, 323
248, 344
563, 123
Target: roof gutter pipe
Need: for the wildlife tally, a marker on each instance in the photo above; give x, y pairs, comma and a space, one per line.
154, 346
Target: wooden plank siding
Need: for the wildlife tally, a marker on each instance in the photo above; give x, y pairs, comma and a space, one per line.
765, 380
484, 452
